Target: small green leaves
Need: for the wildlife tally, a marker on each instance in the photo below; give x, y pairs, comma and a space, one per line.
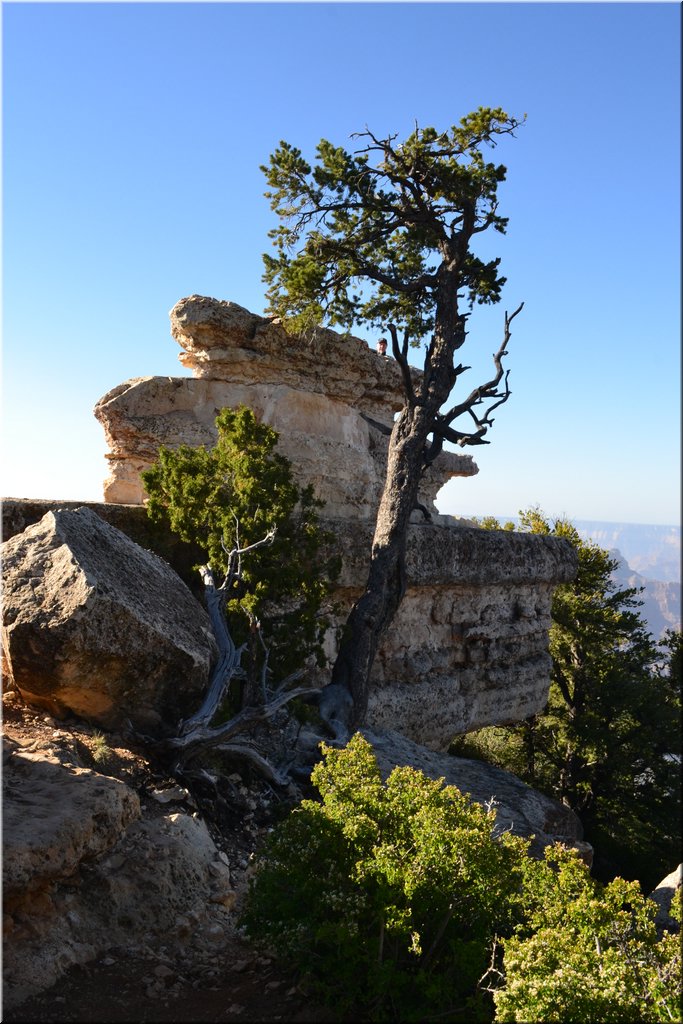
587, 952
388, 893
381, 221
396, 902
230, 497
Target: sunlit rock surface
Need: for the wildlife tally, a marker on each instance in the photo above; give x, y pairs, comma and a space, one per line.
327, 396
96, 625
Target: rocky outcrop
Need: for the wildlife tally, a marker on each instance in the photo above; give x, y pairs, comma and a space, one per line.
519, 809
53, 819
96, 625
469, 645
84, 872
223, 341
329, 444
327, 397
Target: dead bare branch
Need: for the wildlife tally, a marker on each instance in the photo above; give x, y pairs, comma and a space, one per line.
484, 392
401, 357
206, 736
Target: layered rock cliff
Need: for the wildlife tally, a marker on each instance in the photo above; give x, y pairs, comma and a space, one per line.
469, 645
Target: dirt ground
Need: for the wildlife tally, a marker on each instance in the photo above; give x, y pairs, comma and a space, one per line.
246, 989
236, 983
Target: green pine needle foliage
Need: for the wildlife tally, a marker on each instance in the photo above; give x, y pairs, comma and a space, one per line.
362, 234
230, 496
605, 741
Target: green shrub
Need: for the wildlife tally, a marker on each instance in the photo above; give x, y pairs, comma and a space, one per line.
587, 952
388, 895
101, 751
230, 497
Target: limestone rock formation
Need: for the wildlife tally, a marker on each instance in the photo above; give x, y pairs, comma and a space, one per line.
469, 644
519, 809
53, 819
96, 625
326, 397
84, 872
223, 341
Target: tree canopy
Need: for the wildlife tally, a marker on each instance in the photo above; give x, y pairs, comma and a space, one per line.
374, 227
383, 236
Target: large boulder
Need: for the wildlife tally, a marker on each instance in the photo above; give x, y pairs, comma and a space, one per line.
86, 872
96, 625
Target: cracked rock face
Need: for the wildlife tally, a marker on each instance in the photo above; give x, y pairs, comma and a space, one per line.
328, 397
469, 644
96, 625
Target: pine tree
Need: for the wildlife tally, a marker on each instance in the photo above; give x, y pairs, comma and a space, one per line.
268, 570
607, 741
384, 237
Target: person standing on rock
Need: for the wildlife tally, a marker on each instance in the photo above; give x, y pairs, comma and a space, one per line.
382, 346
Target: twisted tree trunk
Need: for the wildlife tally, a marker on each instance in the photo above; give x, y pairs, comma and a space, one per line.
376, 607
196, 734
406, 460
410, 452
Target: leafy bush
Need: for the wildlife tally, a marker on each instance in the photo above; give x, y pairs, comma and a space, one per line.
587, 952
388, 895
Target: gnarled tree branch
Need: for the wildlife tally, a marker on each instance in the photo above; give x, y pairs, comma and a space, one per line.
401, 357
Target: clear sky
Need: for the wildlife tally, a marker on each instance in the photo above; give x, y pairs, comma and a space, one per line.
132, 139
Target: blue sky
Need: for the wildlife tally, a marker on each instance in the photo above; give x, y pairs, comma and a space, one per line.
132, 139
